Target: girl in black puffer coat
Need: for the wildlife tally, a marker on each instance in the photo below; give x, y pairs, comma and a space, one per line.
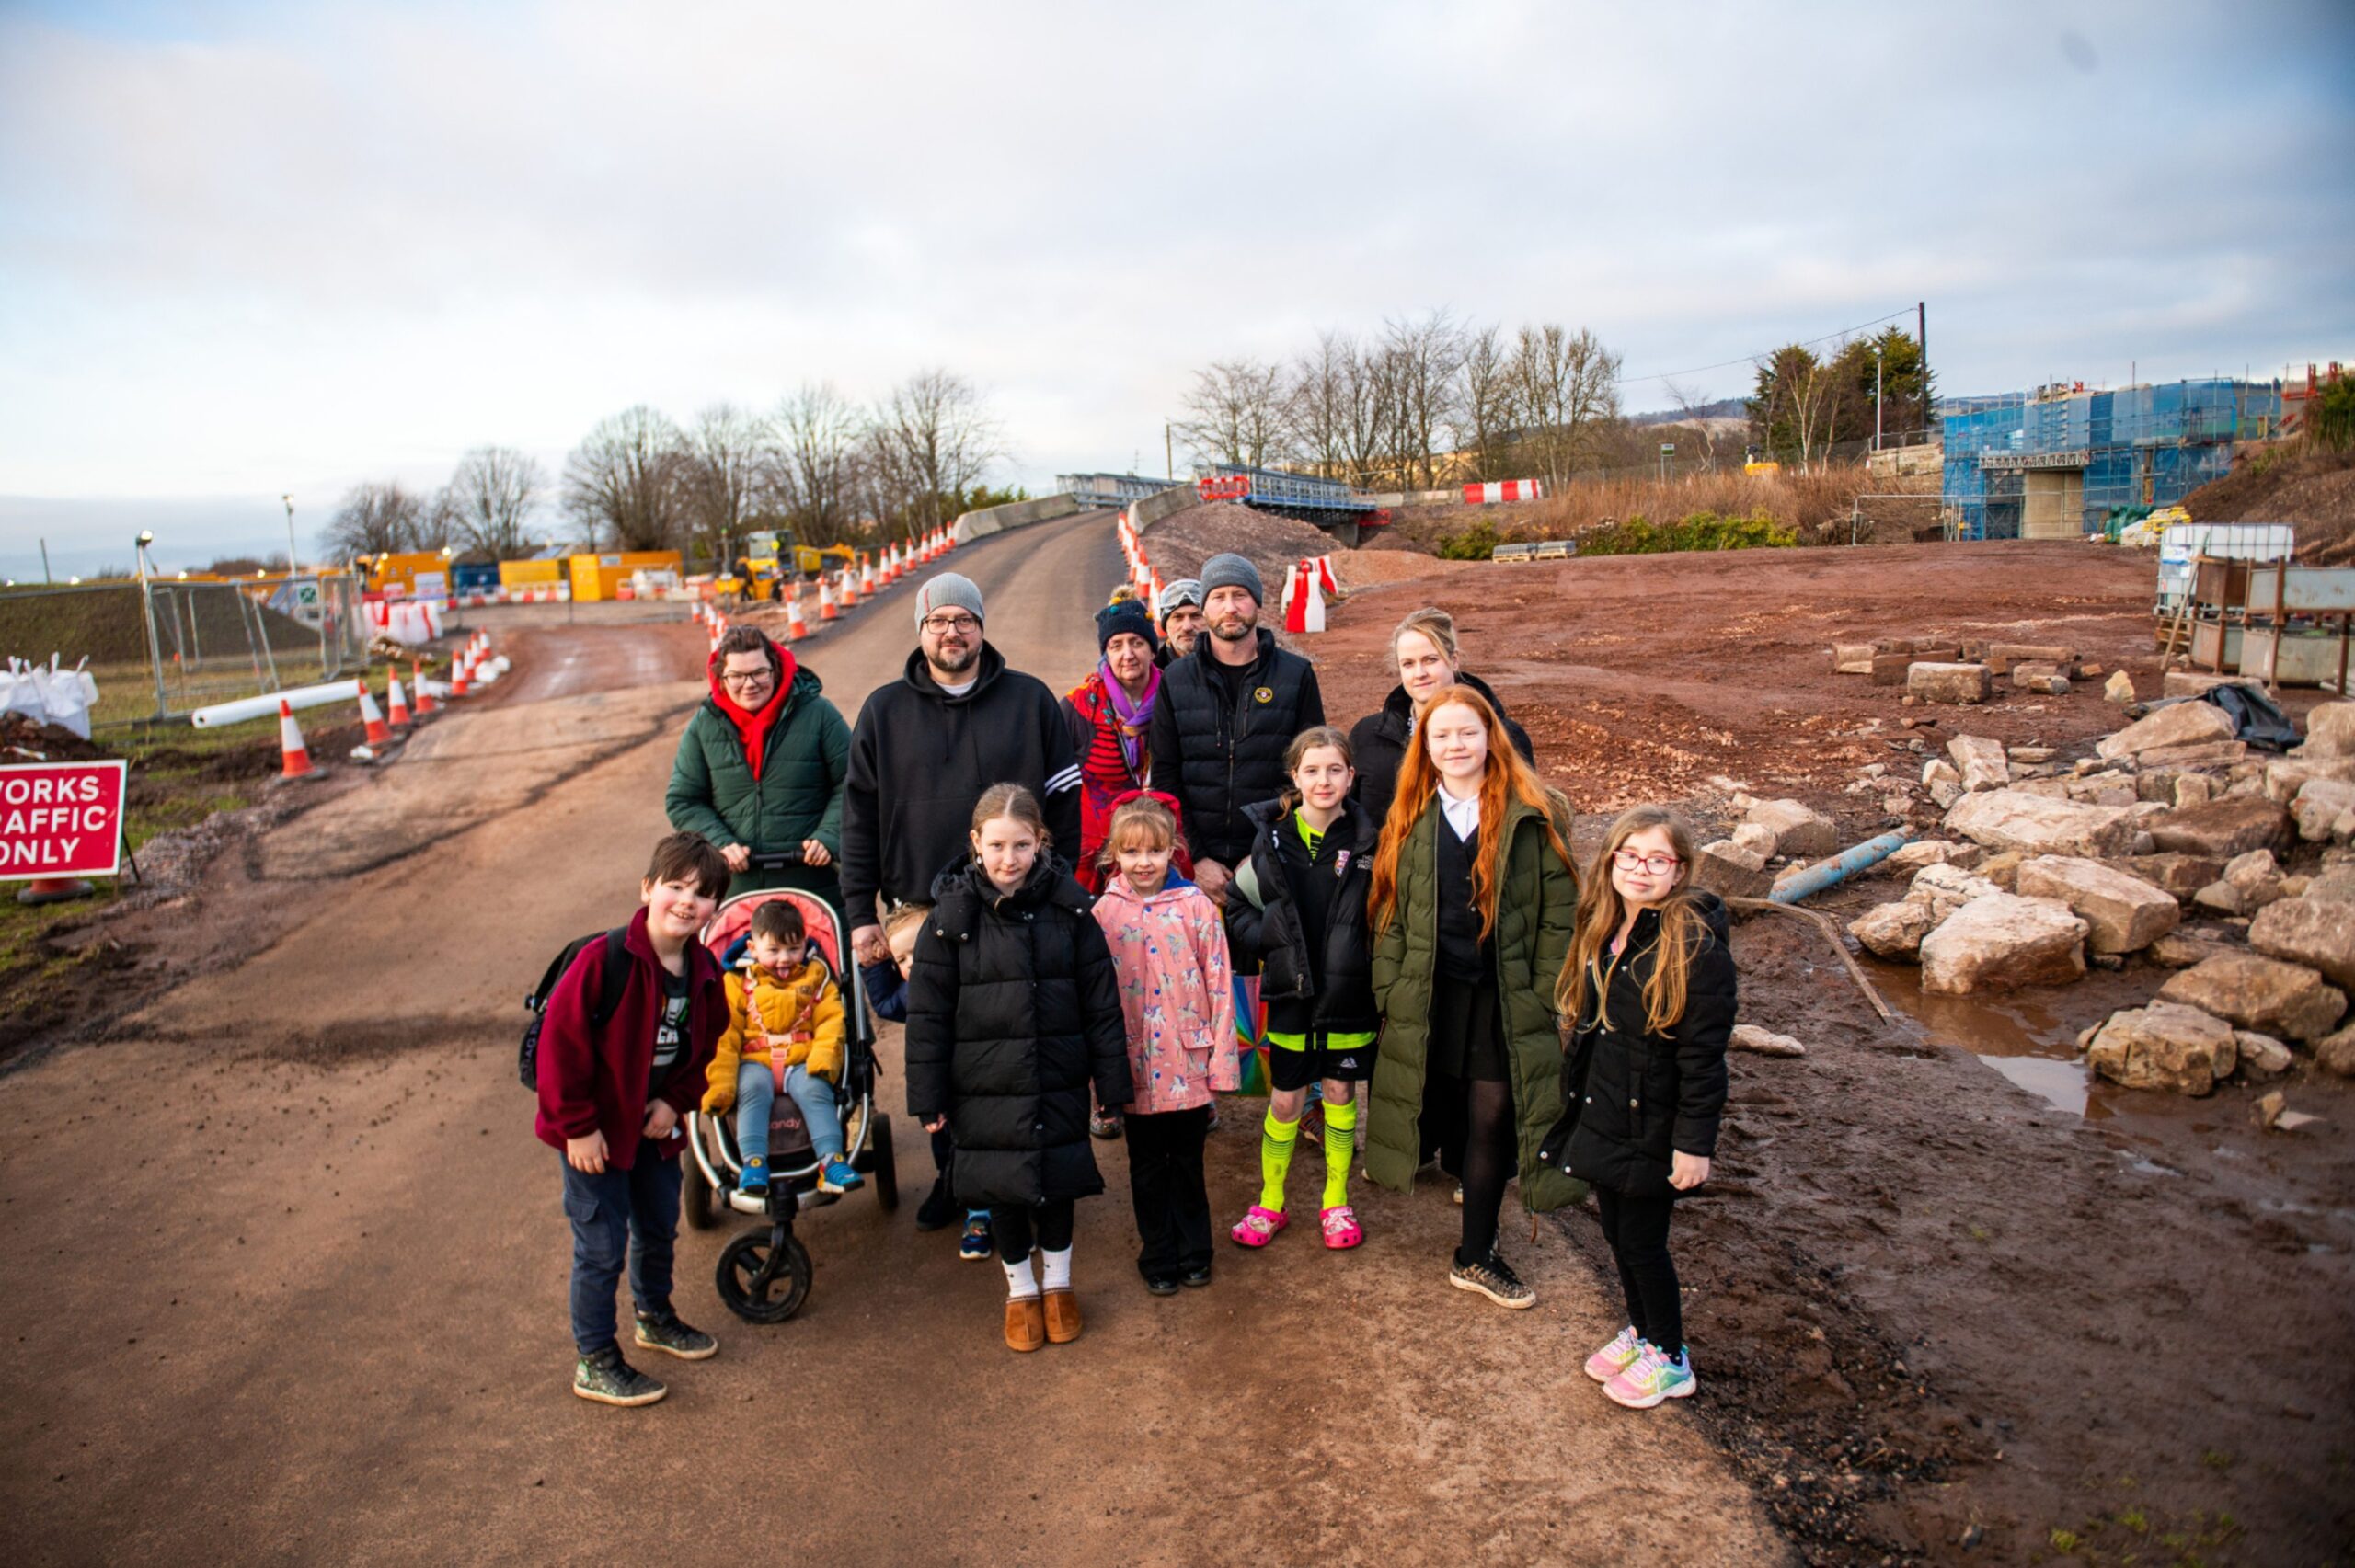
1650, 980
1013, 1012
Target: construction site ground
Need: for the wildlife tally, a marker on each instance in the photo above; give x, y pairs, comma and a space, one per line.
290, 1268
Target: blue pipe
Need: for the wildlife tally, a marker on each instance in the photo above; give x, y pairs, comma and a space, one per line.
1838, 869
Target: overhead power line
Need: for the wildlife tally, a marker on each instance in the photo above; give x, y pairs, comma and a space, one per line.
1753, 359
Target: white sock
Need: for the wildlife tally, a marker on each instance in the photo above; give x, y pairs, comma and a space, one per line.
1020, 1283
1058, 1269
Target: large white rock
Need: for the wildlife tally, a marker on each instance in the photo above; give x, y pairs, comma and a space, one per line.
2287, 1000
1932, 852
1944, 888
2125, 913
2037, 824
1894, 931
1798, 829
2163, 1046
2319, 804
2330, 731
2318, 933
1980, 762
2003, 943
2178, 724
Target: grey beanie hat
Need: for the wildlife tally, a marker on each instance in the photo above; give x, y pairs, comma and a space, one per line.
949, 590
1230, 570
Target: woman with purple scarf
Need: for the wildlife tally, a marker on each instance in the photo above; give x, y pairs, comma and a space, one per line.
1110, 715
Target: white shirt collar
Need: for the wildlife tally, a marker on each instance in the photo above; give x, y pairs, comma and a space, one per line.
1463, 815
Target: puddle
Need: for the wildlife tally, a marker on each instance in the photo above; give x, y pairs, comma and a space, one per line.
2021, 1037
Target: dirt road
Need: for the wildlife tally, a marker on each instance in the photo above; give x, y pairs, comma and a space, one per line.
286, 1267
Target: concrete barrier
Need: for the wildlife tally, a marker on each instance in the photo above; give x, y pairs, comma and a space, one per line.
1419, 499
1143, 514
980, 524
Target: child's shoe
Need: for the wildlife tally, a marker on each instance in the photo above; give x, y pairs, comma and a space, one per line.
1493, 1278
977, 1242
1103, 1124
838, 1175
1650, 1379
1062, 1317
608, 1380
1257, 1228
1161, 1284
754, 1182
1026, 1324
1340, 1226
1616, 1357
672, 1337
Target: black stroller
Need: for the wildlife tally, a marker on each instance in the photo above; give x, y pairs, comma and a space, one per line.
764, 1273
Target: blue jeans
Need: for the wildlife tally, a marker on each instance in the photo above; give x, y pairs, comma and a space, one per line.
616, 1212
756, 1094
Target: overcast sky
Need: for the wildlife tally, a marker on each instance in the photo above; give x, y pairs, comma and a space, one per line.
248, 249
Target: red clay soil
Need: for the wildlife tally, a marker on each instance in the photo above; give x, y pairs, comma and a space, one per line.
1938, 1320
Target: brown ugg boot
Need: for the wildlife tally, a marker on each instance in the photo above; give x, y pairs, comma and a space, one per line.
1062, 1317
1026, 1324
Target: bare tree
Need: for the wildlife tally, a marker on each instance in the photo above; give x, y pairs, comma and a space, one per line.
1423, 357
1322, 384
489, 499
376, 519
1694, 407
818, 438
1799, 401
938, 441
1566, 387
1485, 401
1237, 413
724, 472
623, 481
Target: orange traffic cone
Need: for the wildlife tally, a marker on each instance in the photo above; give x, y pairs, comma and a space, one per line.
425, 705
459, 672
379, 732
294, 758
398, 701
865, 575
796, 628
826, 610
850, 588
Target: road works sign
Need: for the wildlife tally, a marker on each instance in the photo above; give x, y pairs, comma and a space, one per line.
61, 819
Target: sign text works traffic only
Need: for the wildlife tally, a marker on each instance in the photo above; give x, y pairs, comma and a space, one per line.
61, 819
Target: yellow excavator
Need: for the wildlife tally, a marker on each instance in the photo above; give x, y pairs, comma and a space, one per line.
770, 554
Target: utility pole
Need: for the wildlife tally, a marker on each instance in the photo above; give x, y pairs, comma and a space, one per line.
1922, 341
1169, 451
46, 575
290, 536
1877, 357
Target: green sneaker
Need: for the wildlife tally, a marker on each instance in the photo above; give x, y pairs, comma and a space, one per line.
608, 1380
672, 1337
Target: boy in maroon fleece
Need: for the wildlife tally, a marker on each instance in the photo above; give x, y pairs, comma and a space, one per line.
611, 1099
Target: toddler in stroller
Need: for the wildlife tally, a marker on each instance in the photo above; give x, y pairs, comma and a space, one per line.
785, 1034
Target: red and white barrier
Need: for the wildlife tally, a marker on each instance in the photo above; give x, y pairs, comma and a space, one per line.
1497, 490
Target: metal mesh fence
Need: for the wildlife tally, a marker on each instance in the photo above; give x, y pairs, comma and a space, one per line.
165, 648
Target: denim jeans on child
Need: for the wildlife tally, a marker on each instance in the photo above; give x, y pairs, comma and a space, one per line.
613, 1213
756, 1094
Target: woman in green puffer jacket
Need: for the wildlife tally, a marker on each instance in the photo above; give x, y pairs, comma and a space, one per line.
760, 770
1472, 901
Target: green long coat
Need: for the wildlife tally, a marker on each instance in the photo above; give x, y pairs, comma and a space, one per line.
1535, 910
798, 794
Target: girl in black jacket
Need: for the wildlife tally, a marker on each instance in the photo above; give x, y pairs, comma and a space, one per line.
1650, 981
1303, 922
1013, 1012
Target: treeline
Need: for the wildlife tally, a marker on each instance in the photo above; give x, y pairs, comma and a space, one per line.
1806, 404
831, 470
1424, 402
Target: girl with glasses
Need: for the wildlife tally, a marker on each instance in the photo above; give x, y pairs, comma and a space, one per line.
1649, 981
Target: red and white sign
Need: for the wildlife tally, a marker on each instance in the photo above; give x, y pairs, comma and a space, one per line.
61, 819
1497, 490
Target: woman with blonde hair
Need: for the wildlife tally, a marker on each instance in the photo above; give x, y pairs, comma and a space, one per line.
1471, 901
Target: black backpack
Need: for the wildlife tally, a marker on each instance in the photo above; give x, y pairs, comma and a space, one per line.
609, 995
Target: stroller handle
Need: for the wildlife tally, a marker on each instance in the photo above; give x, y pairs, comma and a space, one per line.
775, 860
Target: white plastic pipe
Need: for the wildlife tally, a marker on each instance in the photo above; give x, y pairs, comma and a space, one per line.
246, 708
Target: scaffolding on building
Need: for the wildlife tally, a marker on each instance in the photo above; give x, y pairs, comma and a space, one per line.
2062, 452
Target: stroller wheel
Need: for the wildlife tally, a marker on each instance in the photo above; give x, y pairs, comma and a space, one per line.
743, 1263
884, 1165
698, 1205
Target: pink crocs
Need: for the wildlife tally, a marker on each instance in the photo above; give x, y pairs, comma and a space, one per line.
1258, 1228
1341, 1229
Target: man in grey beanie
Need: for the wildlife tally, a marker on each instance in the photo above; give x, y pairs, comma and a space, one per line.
957, 721
1226, 715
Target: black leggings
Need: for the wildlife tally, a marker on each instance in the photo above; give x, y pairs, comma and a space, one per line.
1491, 1149
1637, 1228
1012, 1225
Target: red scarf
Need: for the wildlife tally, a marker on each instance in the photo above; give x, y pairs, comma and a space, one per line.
752, 728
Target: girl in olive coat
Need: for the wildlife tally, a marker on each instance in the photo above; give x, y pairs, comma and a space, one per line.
1651, 982
1471, 901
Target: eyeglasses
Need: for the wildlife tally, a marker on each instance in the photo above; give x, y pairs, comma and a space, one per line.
1657, 864
941, 625
746, 676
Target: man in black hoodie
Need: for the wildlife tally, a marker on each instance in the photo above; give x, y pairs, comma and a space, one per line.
927, 745
1226, 713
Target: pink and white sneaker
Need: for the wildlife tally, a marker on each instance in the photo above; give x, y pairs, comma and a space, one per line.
1616, 1357
1258, 1228
1650, 1379
1340, 1226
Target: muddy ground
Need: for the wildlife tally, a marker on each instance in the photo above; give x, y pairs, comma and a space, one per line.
1949, 1319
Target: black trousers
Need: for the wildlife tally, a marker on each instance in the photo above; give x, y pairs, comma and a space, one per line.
1637, 1228
1013, 1226
1165, 1183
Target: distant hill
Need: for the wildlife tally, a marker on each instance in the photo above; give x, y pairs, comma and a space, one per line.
1724, 408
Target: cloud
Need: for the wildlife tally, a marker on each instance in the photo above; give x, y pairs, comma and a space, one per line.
251, 249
